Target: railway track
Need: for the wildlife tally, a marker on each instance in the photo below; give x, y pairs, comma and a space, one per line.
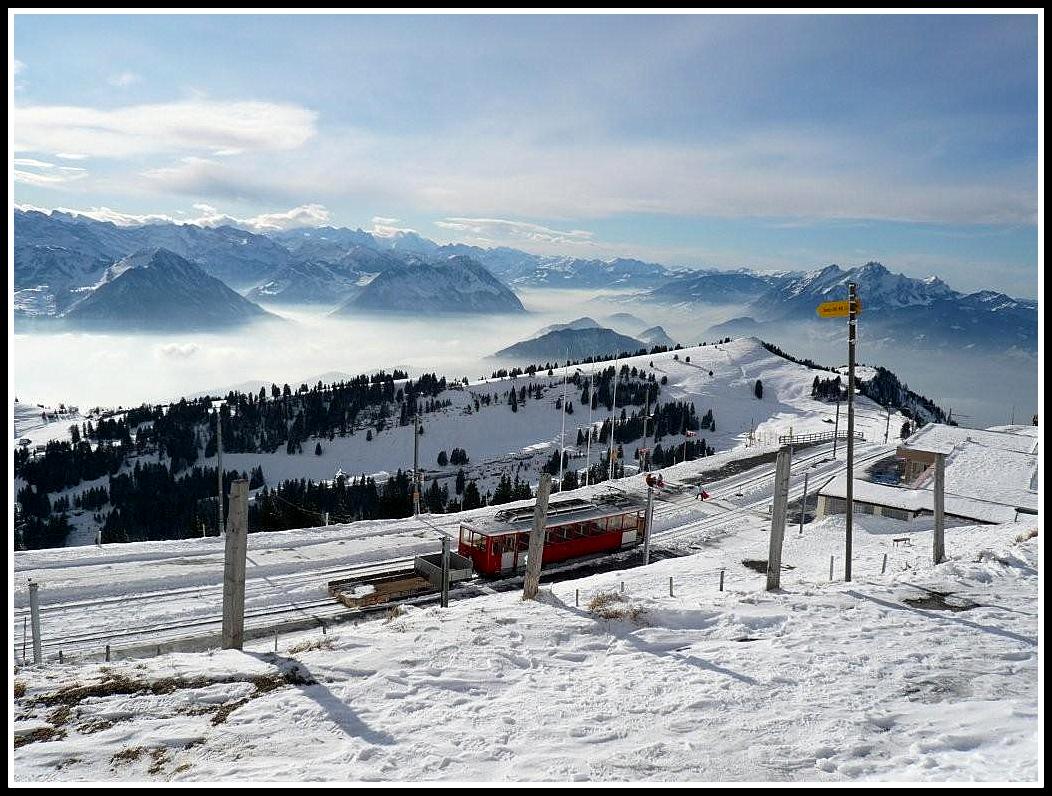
169, 635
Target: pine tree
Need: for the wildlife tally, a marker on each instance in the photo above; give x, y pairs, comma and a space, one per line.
443, 460
758, 389
317, 449
472, 498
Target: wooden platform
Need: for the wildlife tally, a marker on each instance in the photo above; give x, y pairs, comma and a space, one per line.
383, 588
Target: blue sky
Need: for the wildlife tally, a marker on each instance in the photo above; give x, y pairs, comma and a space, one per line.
765, 142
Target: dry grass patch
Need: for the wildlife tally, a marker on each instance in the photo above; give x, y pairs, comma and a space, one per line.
42, 734
310, 645
1030, 534
20, 689
159, 759
128, 754
612, 605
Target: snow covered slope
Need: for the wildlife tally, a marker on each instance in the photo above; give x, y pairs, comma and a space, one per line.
603, 678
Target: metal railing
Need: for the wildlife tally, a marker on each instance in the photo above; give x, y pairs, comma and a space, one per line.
823, 436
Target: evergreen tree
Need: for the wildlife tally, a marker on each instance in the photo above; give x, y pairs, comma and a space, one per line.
317, 449
443, 460
472, 499
758, 389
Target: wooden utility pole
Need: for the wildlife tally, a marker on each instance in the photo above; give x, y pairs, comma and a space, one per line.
562, 432
647, 522
591, 429
887, 425
938, 553
613, 419
778, 511
416, 460
445, 571
645, 464
535, 552
852, 322
219, 463
34, 619
234, 567
803, 505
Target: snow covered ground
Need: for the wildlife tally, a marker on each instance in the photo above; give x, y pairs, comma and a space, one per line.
40, 424
825, 681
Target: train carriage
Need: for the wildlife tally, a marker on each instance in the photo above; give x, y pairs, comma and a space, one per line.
498, 547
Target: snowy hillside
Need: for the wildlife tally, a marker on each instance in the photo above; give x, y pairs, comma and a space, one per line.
718, 378
496, 438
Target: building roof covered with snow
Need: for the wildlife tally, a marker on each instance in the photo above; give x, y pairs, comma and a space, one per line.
990, 475
939, 438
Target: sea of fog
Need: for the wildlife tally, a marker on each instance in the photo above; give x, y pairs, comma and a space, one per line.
89, 370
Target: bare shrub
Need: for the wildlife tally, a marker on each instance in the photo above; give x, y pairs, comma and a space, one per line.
1030, 534
309, 645
611, 605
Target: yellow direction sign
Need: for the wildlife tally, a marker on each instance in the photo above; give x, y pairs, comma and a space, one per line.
837, 309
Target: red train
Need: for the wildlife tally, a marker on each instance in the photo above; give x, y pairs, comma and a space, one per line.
498, 545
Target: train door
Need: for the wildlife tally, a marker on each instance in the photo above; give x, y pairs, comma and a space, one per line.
507, 560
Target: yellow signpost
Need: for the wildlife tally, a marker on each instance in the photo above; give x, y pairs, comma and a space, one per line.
837, 309
849, 309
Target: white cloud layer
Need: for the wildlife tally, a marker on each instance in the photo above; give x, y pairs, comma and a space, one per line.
310, 215
190, 125
792, 176
498, 229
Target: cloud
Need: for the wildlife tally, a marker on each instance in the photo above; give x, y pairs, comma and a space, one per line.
384, 227
309, 215
513, 174
71, 156
178, 350
190, 125
501, 229
38, 164
123, 79
44, 174
19, 67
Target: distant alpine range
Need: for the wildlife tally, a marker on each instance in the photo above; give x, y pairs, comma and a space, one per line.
80, 272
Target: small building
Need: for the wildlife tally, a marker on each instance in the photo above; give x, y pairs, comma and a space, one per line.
990, 477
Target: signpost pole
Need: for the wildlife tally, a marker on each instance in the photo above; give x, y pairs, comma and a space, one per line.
851, 328
836, 428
